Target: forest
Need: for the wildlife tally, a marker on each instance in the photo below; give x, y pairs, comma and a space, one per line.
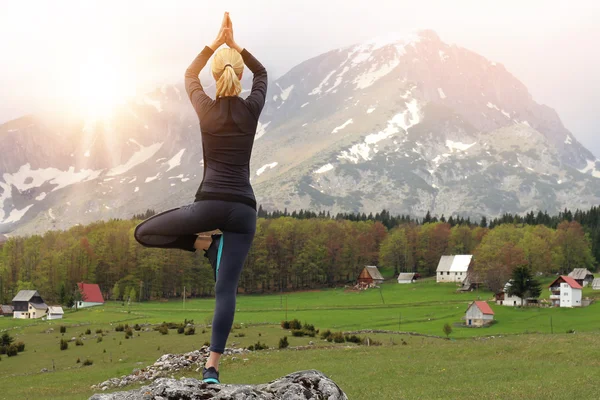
297, 251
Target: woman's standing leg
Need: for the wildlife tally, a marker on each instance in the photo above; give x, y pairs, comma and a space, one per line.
234, 248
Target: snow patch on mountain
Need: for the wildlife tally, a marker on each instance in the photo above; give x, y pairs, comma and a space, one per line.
441, 93
443, 56
342, 126
319, 88
175, 161
152, 178
16, 215
264, 168
591, 169
305, 104
41, 196
261, 129
136, 189
568, 140
404, 120
458, 146
285, 92
370, 110
324, 168
375, 73
140, 156
154, 103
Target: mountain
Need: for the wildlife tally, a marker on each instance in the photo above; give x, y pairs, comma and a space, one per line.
408, 124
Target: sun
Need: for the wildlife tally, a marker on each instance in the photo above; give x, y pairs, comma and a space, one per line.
103, 85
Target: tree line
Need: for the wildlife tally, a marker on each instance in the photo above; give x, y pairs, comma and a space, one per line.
295, 251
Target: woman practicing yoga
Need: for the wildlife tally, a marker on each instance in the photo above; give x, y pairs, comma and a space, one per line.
225, 200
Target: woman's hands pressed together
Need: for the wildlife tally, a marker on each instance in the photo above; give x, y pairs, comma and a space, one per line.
225, 35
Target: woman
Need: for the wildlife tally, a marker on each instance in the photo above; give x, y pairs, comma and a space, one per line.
225, 199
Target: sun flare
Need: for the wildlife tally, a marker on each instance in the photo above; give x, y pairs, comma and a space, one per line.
103, 85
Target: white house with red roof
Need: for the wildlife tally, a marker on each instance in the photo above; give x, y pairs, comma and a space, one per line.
479, 313
565, 292
90, 295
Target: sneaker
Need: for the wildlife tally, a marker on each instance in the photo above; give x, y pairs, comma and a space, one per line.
210, 375
212, 253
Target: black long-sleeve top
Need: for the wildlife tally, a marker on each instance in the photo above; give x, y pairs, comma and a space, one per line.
228, 126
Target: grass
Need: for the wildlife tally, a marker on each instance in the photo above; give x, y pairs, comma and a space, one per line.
515, 365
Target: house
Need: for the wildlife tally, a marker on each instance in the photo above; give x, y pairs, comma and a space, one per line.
479, 313
565, 292
55, 312
582, 276
370, 275
503, 299
406, 277
453, 268
6, 311
90, 295
29, 304
596, 284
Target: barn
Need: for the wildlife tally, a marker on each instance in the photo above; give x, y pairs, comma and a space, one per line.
370, 275
582, 276
90, 295
6, 311
479, 313
406, 277
55, 312
453, 268
29, 304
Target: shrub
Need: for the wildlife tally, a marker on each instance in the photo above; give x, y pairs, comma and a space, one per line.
258, 346
88, 362
20, 346
309, 333
119, 328
78, 361
99, 339
447, 329
571, 331
6, 339
295, 324
352, 339
137, 327
190, 331
78, 342
338, 337
128, 333
325, 335
64, 344
283, 342
12, 350
63, 329
88, 332
285, 324
241, 334
180, 329
309, 327
207, 344
297, 333
3, 350
99, 331
163, 329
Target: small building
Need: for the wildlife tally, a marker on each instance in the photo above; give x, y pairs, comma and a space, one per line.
370, 275
29, 304
565, 292
503, 299
6, 311
55, 312
90, 295
406, 277
582, 276
479, 313
596, 284
453, 268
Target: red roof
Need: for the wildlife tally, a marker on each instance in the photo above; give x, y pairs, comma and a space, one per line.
90, 292
568, 280
484, 307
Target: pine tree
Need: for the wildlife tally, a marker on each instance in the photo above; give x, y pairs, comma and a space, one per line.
523, 284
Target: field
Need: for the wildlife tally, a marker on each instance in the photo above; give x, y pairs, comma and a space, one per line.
515, 358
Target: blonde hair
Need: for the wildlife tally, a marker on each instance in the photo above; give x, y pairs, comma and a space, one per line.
227, 66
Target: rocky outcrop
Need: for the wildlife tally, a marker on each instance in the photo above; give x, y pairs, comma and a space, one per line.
302, 385
165, 366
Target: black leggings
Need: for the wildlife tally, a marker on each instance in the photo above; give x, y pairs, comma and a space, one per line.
178, 229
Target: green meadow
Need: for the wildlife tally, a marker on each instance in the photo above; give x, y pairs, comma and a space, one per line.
515, 358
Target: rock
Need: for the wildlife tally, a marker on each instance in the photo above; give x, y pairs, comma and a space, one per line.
44, 370
302, 385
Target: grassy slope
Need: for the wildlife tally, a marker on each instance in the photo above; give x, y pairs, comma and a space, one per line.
429, 368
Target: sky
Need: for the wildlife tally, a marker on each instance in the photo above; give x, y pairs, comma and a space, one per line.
61, 51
